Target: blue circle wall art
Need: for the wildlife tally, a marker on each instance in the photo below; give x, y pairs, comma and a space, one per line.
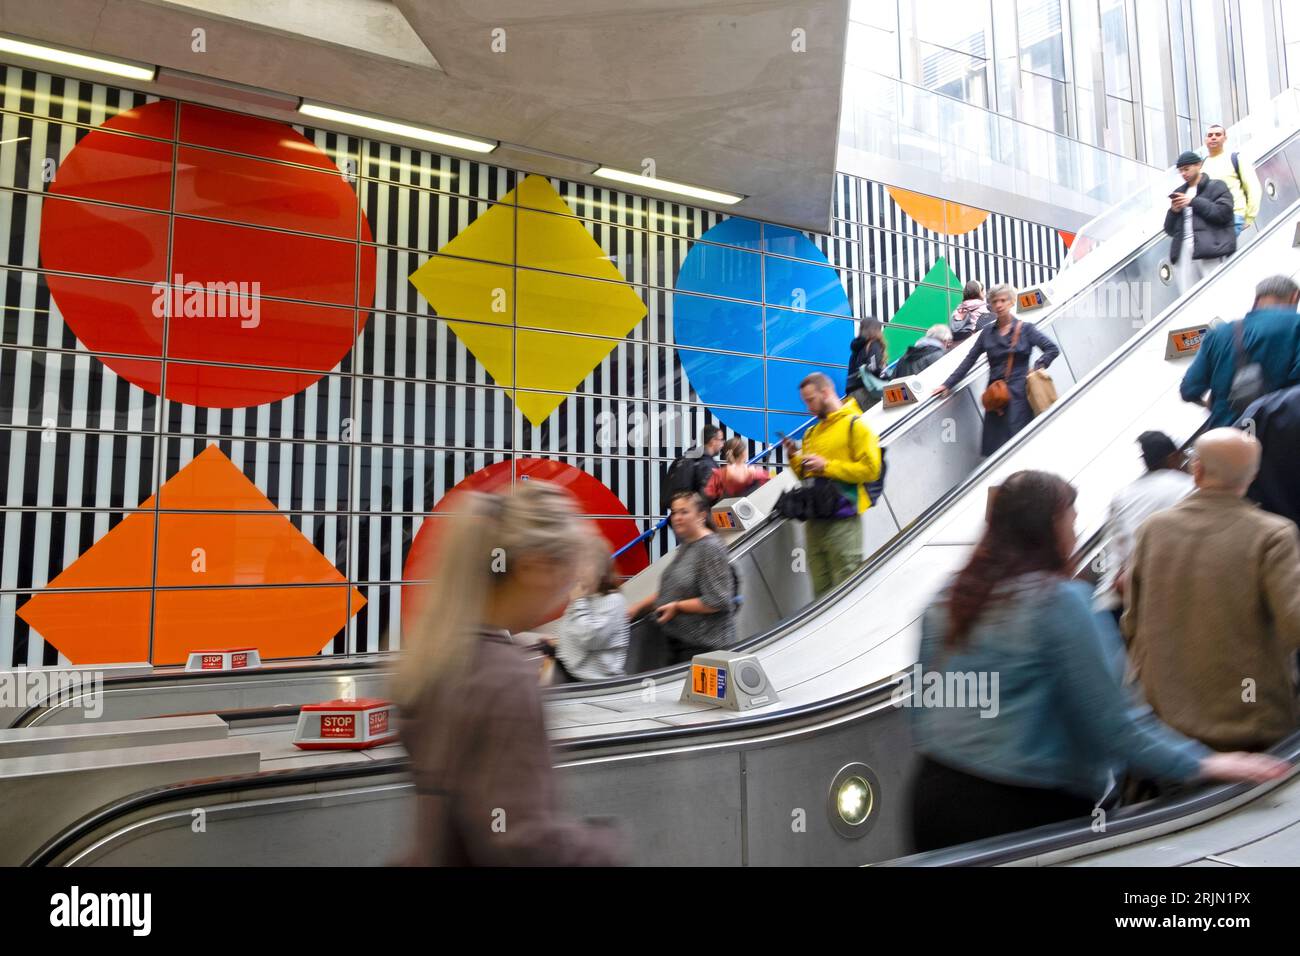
768, 292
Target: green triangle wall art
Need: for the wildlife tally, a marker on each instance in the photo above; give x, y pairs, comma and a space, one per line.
933, 301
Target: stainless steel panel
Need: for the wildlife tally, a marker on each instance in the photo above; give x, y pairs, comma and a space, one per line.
773, 558
782, 779
371, 827
111, 735
933, 456
1284, 171
760, 609
678, 810
878, 527
239, 691
1111, 312
44, 794
1062, 374
21, 681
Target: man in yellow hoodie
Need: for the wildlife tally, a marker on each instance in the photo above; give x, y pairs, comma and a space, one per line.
1236, 173
841, 449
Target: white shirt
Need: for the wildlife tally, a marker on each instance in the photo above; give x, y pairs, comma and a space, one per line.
1132, 505
1188, 237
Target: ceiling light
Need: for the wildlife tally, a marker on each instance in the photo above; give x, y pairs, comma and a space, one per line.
667, 185
35, 51
394, 128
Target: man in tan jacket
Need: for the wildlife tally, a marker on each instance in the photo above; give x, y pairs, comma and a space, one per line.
1213, 606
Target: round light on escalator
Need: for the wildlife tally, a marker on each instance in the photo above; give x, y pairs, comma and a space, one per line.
1166, 273
1270, 187
853, 803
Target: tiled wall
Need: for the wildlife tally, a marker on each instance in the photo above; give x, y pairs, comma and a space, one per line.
250, 462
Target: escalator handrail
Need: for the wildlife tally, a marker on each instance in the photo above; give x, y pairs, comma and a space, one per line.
267, 671
1013, 847
192, 789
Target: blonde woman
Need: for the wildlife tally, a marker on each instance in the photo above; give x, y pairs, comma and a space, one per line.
471, 708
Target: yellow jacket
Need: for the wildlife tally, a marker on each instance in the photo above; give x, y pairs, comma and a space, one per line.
1246, 190
851, 450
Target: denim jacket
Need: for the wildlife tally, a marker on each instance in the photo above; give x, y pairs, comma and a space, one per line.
1060, 717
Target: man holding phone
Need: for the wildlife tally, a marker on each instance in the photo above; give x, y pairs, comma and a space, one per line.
1201, 223
841, 454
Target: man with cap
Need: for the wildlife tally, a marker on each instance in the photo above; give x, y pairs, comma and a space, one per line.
1201, 223
1162, 486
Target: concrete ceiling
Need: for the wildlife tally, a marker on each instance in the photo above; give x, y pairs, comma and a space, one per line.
713, 92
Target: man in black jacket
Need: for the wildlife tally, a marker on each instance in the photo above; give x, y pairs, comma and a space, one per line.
692, 471
1200, 216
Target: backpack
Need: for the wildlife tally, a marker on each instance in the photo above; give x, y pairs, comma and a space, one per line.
1247, 378
823, 499
1236, 168
876, 488
680, 477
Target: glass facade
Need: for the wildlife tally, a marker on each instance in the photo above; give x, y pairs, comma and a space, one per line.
1139, 78
242, 363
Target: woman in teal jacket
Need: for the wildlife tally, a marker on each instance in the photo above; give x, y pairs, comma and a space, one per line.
1050, 722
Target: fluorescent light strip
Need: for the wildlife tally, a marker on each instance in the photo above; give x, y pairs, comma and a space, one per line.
397, 129
667, 185
97, 64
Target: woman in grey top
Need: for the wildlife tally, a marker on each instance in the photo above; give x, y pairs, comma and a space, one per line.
591, 642
695, 606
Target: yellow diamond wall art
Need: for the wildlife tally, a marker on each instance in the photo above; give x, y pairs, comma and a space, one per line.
508, 318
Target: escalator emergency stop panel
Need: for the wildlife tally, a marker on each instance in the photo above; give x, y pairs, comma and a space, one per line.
729, 679
1184, 343
346, 724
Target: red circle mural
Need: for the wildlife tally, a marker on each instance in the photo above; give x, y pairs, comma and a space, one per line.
592, 496
232, 262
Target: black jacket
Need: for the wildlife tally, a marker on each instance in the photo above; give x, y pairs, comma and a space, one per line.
920, 355
1214, 230
860, 354
690, 472
1277, 426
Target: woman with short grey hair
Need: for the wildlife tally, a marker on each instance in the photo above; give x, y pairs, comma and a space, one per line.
924, 352
1009, 344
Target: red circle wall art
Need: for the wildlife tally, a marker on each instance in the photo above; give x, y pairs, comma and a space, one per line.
592, 497
265, 245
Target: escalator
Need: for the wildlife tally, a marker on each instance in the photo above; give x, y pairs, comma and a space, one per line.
699, 786
1117, 281
1094, 306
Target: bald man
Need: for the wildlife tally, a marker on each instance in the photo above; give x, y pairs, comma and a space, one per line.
1213, 605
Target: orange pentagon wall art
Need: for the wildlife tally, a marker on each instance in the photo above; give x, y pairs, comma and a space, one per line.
938, 215
206, 561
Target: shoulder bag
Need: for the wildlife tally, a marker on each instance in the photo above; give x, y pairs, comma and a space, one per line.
997, 396
1247, 377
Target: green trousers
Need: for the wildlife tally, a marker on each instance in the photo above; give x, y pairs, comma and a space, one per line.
834, 550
